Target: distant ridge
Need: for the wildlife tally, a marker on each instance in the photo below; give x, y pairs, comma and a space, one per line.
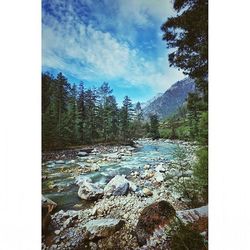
167, 103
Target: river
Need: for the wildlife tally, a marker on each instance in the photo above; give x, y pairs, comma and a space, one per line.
61, 177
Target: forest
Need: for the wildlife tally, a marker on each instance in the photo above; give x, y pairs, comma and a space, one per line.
73, 115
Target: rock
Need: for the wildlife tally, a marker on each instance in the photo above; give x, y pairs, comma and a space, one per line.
94, 211
95, 167
57, 232
113, 156
159, 177
44, 177
82, 154
160, 168
192, 215
188, 173
47, 207
77, 205
102, 228
60, 162
153, 216
46, 201
146, 166
118, 185
67, 223
122, 189
80, 180
147, 192
90, 191
132, 186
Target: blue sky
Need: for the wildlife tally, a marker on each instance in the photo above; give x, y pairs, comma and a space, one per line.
116, 41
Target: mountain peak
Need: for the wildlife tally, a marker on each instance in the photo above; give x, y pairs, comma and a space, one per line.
168, 102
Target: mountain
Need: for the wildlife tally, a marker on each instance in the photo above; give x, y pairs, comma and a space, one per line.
171, 100
145, 104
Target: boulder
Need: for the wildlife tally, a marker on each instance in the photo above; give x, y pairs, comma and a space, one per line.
122, 189
89, 191
147, 192
46, 201
192, 215
119, 185
113, 156
160, 168
159, 177
102, 228
47, 206
81, 179
82, 154
152, 217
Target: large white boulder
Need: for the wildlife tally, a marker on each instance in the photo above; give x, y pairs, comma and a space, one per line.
119, 185
159, 177
90, 191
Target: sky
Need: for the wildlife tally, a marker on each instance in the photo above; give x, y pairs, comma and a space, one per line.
114, 41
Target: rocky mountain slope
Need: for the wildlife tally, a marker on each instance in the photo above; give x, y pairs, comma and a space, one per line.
171, 100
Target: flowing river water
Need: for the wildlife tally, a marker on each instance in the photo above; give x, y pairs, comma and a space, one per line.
61, 177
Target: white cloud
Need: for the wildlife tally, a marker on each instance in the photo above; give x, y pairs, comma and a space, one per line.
88, 53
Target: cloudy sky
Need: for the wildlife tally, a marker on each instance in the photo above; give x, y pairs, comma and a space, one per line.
117, 41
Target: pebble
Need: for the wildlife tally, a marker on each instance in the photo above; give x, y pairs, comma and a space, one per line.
57, 232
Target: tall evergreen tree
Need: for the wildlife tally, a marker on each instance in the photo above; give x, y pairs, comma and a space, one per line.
91, 116
112, 119
81, 113
62, 96
125, 115
103, 109
154, 126
187, 33
137, 123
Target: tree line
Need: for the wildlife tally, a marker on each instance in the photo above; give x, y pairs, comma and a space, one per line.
74, 115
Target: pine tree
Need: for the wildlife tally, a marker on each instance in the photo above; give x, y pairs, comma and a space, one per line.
137, 123
81, 111
125, 115
103, 109
62, 95
154, 127
49, 112
90, 127
112, 122
187, 33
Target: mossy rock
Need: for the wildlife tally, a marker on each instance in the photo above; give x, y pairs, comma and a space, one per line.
155, 215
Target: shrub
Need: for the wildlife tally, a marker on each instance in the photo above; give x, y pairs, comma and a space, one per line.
201, 171
186, 237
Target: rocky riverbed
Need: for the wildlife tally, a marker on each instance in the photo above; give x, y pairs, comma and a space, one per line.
101, 194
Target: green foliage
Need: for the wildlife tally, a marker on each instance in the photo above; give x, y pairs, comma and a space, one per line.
201, 171
74, 115
154, 127
186, 237
187, 33
203, 129
176, 126
126, 117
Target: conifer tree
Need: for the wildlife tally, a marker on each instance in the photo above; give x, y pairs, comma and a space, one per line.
154, 126
125, 115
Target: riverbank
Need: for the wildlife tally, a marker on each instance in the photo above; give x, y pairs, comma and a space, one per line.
152, 175
72, 152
